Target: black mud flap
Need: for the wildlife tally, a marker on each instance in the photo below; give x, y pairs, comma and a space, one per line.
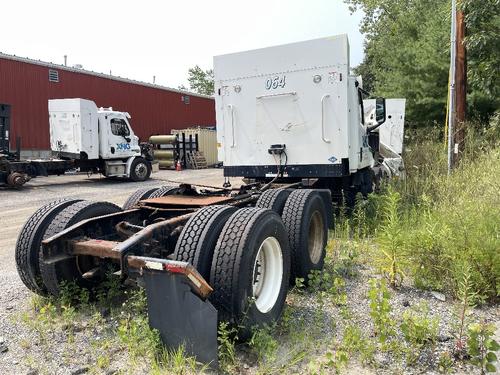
181, 317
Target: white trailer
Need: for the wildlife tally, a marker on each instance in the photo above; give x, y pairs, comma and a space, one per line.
295, 112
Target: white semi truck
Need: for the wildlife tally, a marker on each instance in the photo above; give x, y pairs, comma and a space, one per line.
84, 137
290, 117
294, 112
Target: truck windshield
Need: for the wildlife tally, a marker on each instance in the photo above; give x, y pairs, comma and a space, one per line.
119, 127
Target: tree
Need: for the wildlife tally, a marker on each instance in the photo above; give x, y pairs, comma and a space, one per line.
483, 55
201, 81
407, 53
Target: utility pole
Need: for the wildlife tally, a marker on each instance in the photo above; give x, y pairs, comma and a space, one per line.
460, 87
451, 99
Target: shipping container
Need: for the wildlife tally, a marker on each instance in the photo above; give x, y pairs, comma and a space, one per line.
207, 142
26, 86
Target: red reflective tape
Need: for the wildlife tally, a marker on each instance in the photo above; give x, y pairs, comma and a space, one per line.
172, 268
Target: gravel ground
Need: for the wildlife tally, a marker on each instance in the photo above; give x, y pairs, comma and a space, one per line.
320, 324
18, 346
22, 351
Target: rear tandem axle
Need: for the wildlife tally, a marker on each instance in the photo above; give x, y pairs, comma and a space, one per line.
204, 256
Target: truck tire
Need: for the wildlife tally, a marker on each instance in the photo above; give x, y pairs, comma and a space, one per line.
274, 199
29, 242
137, 196
164, 191
140, 170
199, 236
306, 222
250, 269
72, 269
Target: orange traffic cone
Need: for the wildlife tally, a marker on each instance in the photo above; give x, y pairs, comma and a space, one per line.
178, 166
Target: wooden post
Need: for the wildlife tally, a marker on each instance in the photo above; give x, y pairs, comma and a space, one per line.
460, 87
451, 93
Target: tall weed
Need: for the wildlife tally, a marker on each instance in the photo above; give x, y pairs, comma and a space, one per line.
451, 220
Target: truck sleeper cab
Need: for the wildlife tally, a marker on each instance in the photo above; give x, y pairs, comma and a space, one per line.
293, 112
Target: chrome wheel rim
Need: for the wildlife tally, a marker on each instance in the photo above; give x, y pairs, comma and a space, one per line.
141, 170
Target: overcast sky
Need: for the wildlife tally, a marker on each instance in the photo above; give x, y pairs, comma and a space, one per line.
139, 39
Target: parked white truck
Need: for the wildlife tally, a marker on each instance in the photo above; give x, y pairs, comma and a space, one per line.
84, 137
294, 112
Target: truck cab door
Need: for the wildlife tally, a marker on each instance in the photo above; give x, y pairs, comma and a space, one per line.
121, 141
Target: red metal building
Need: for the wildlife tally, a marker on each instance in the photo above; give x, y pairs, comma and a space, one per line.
27, 85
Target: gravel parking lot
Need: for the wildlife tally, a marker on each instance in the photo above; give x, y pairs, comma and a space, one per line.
18, 205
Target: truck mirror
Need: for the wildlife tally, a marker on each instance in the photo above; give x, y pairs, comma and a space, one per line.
127, 139
380, 110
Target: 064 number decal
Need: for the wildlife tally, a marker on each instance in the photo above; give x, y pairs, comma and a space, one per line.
275, 82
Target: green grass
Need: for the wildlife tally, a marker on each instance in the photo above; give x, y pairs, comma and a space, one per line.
431, 226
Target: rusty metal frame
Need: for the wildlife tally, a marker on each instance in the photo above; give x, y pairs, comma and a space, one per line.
109, 249
187, 201
133, 244
71, 242
197, 283
59, 246
97, 248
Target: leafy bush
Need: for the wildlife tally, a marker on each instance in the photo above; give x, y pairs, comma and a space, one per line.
435, 225
482, 347
353, 342
390, 256
418, 327
264, 344
226, 337
460, 226
380, 309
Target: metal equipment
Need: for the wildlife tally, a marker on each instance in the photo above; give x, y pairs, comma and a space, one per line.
165, 150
